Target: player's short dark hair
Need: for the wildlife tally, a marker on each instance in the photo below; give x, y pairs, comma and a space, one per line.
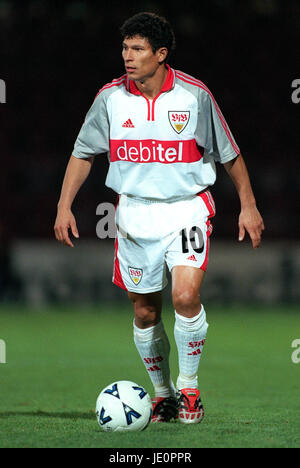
152, 27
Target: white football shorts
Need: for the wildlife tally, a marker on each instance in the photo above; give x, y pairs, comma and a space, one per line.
154, 235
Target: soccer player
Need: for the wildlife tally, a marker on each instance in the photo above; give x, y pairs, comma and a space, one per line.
163, 132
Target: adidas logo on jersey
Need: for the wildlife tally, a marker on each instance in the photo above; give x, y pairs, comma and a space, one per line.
128, 124
192, 257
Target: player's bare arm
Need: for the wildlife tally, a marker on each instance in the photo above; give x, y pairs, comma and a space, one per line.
76, 173
250, 219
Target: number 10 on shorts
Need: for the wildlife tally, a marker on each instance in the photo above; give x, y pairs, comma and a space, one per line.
192, 238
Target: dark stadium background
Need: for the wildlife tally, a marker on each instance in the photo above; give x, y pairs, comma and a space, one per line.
55, 56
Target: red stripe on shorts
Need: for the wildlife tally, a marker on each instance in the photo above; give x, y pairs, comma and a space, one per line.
117, 277
209, 202
210, 205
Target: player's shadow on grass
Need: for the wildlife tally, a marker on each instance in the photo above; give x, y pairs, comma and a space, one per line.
46, 414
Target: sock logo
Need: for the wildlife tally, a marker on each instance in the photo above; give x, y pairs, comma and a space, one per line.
194, 353
153, 368
197, 345
153, 360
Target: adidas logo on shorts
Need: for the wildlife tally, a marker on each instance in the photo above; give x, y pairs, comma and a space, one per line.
193, 258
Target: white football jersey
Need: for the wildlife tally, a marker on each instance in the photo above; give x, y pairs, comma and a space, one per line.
162, 149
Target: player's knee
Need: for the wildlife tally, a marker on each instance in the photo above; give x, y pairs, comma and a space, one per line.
133, 297
146, 316
147, 309
187, 302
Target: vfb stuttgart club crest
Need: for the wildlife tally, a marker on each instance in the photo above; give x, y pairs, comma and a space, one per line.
179, 120
135, 274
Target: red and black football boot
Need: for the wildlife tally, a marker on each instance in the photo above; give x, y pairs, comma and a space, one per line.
190, 406
164, 409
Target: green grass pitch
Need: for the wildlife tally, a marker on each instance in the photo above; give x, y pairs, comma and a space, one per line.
58, 360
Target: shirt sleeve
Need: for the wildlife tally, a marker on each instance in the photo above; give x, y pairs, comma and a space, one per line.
93, 138
212, 132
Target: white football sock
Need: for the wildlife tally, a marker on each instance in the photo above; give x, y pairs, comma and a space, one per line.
190, 335
154, 348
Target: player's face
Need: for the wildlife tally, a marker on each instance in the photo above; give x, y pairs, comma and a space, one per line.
139, 59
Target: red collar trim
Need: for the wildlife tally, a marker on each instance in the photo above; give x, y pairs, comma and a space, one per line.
167, 86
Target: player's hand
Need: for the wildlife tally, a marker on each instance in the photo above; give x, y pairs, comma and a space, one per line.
65, 220
251, 221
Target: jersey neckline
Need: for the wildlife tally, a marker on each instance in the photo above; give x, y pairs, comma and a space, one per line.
167, 86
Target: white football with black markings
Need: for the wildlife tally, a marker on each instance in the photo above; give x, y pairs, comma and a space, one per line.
123, 406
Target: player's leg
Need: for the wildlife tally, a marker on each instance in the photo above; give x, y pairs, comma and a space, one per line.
190, 334
187, 257
147, 308
190, 323
153, 346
